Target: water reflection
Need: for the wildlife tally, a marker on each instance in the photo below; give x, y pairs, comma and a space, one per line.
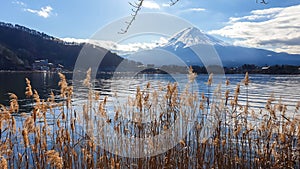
261, 87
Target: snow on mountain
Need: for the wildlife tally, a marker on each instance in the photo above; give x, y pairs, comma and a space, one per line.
181, 45
192, 36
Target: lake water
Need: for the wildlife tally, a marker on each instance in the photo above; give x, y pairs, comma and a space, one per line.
261, 87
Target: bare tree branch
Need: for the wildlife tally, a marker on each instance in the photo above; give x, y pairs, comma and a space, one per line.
137, 6
173, 2
262, 1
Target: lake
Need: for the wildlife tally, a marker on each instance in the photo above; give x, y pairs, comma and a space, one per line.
154, 129
261, 87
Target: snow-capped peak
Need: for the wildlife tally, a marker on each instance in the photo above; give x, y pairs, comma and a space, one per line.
192, 36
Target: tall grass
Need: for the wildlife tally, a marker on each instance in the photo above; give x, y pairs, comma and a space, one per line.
55, 134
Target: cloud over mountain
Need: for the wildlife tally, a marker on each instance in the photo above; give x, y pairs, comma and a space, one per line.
121, 49
195, 47
44, 12
276, 29
151, 4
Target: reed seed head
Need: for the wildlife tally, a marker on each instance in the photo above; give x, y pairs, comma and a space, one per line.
246, 79
28, 92
87, 80
3, 163
25, 137
227, 83
191, 76
210, 79
54, 159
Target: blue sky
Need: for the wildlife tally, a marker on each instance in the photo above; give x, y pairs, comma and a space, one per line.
242, 21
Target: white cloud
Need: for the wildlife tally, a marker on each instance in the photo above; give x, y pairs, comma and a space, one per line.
151, 5
275, 29
188, 10
165, 5
44, 12
196, 9
258, 15
121, 49
74, 40
267, 11
19, 3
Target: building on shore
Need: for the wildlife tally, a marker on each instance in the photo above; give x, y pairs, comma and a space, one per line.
42, 65
45, 65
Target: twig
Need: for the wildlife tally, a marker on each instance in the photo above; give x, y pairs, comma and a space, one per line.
173, 2
262, 1
137, 6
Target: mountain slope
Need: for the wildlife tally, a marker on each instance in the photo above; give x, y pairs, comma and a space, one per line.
182, 43
192, 36
30, 45
9, 58
20, 47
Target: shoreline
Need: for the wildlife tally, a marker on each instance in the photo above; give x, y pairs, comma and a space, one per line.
146, 73
33, 71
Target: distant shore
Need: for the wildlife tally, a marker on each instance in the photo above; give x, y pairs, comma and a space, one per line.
253, 69
33, 71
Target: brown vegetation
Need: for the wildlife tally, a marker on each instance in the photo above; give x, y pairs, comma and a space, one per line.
56, 135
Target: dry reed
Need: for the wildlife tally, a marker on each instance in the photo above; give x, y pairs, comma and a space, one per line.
240, 136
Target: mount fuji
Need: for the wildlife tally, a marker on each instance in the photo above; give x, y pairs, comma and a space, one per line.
190, 37
182, 44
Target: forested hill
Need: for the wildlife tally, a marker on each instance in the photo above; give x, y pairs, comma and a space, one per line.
20, 47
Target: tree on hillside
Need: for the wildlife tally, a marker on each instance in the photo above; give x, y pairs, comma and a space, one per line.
137, 6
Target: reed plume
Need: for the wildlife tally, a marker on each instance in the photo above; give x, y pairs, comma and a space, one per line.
268, 138
28, 92
54, 159
3, 163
